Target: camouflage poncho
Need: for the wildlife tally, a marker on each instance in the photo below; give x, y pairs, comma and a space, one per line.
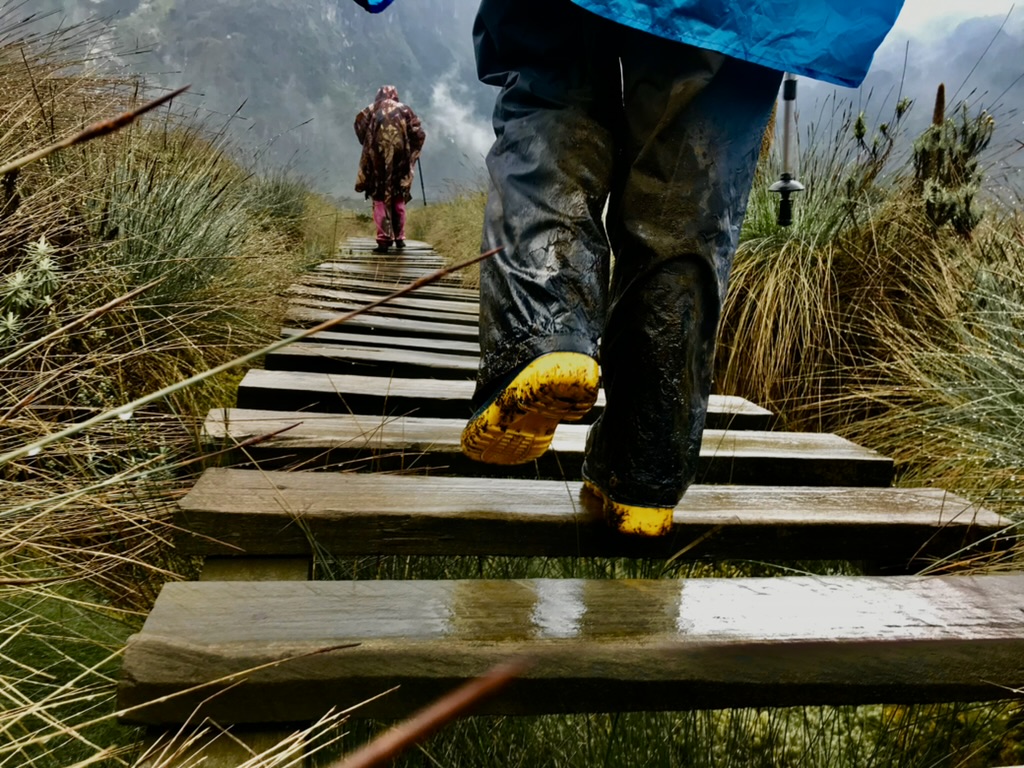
392, 139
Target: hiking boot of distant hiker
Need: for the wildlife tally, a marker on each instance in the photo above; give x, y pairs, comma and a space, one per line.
516, 424
399, 244
632, 519
381, 248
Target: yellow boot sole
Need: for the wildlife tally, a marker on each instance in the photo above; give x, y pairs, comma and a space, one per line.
633, 520
518, 424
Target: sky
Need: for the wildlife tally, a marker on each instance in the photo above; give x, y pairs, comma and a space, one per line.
921, 16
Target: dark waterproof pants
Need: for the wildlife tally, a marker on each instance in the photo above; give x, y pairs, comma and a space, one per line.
668, 135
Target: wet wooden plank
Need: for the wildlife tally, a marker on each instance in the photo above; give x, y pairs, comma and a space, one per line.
399, 276
294, 390
357, 244
387, 276
201, 743
608, 645
337, 275
302, 391
393, 258
379, 361
324, 279
411, 444
282, 513
383, 325
389, 309
342, 338
316, 294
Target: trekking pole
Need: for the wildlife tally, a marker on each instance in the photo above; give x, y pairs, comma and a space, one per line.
787, 184
423, 189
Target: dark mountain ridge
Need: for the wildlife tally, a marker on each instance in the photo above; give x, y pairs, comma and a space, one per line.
304, 68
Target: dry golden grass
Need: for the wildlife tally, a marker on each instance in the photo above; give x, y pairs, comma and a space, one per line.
453, 227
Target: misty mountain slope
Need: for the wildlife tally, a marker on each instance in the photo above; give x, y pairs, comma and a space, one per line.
320, 61
304, 68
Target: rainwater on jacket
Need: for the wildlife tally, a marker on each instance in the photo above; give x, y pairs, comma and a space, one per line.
832, 40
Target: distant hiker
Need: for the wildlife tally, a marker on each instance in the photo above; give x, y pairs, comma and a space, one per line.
392, 140
633, 128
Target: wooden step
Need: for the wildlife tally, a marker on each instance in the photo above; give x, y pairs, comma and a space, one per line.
387, 276
343, 338
307, 294
383, 266
323, 279
372, 361
383, 325
411, 444
357, 244
234, 511
291, 390
389, 309
596, 646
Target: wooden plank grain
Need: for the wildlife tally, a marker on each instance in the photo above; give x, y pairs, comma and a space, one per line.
383, 362
388, 309
284, 513
297, 390
394, 278
334, 279
383, 325
349, 296
600, 645
750, 457
468, 348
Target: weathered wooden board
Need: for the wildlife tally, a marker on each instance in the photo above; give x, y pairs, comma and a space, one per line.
445, 346
359, 298
199, 743
399, 276
389, 309
378, 361
336, 275
607, 645
383, 325
425, 262
282, 513
361, 245
377, 267
294, 390
411, 444
320, 279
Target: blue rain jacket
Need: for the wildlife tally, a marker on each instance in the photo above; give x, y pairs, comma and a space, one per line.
831, 40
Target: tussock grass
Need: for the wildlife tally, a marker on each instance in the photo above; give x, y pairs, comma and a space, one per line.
453, 227
953, 382
967, 736
85, 524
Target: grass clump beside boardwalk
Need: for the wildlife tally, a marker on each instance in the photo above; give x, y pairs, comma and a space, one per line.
889, 312
453, 227
83, 537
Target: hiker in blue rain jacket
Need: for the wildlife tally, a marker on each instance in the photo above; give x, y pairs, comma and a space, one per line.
655, 108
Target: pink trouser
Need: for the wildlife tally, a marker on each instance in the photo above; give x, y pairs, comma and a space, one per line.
390, 225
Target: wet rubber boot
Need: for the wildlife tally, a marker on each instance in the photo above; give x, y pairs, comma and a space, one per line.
631, 519
516, 425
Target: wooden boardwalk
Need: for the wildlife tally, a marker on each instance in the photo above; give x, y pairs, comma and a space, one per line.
383, 398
